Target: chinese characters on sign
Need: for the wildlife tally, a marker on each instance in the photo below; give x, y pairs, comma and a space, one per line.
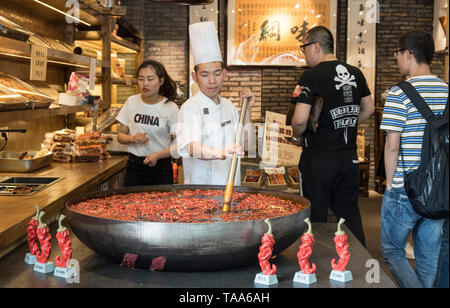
361, 31
38, 68
267, 32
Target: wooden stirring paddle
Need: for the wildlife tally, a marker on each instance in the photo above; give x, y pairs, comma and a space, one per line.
232, 172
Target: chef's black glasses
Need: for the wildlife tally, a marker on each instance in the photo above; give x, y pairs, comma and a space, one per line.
302, 47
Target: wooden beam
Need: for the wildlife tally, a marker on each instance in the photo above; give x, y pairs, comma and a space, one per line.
123, 42
106, 56
95, 9
88, 35
14, 48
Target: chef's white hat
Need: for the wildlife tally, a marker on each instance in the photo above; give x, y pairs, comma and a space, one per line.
204, 42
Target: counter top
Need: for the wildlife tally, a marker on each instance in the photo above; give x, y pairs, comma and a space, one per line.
78, 178
96, 271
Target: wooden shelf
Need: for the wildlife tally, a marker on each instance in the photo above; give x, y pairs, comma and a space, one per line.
44, 112
17, 49
124, 81
118, 44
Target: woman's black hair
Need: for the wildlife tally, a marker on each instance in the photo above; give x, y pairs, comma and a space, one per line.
169, 87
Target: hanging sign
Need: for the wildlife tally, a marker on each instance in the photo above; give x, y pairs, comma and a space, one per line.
38, 67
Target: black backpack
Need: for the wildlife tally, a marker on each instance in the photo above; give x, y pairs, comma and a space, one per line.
428, 186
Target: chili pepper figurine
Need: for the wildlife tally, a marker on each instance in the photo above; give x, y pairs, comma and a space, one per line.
268, 275
30, 258
306, 274
65, 244
42, 256
305, 251
265, 251
340, 240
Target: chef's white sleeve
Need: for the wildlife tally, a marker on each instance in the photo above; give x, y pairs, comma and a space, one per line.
189, 129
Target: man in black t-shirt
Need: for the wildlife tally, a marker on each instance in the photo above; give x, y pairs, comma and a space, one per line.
329, 163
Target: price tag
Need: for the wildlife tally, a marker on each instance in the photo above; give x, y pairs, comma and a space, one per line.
93, 65
38, 68
128, 81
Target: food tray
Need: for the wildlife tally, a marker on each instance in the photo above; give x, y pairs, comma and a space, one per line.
10, 162
275, 186
291, 182
257, 184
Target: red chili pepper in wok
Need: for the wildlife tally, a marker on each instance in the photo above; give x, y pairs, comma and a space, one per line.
340, 241
196, 206
265, 251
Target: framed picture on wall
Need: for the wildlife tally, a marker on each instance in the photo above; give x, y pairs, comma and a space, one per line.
269, 33
440, 24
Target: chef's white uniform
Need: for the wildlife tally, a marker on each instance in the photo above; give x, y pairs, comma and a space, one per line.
201, 120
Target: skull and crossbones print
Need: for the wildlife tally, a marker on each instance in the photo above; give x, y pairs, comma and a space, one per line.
344, 77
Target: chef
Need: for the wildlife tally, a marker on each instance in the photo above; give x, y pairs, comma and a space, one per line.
207, 122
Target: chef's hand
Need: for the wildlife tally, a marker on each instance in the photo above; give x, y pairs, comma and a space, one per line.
230, 149
250, 96
140, 138
151, 160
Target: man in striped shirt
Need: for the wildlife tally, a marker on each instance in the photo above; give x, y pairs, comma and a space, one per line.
405, 127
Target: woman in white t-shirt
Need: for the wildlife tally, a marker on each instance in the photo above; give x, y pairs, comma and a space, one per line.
147, 121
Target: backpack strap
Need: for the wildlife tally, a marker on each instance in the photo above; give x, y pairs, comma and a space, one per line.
420, 104
446, 106
418, 100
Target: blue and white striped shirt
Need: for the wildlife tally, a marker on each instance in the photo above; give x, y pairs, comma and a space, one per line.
400, 115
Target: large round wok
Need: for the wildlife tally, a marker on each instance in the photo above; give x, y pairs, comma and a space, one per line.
185, 246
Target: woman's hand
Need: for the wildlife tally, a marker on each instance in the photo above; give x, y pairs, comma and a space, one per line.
140, 138
151, 159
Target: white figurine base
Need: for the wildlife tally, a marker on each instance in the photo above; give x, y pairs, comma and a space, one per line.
266, 280
305, 278
65, 272
30, 259
344, 276
44, 268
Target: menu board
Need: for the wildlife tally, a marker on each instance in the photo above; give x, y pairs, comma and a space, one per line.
267, 32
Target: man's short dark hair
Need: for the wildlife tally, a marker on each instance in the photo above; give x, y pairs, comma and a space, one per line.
420, 44
323, 36
196, 67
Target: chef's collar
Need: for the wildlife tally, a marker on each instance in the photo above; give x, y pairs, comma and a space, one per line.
211, 104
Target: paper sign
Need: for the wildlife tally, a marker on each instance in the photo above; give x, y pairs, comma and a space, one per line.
38, 67
277, 150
